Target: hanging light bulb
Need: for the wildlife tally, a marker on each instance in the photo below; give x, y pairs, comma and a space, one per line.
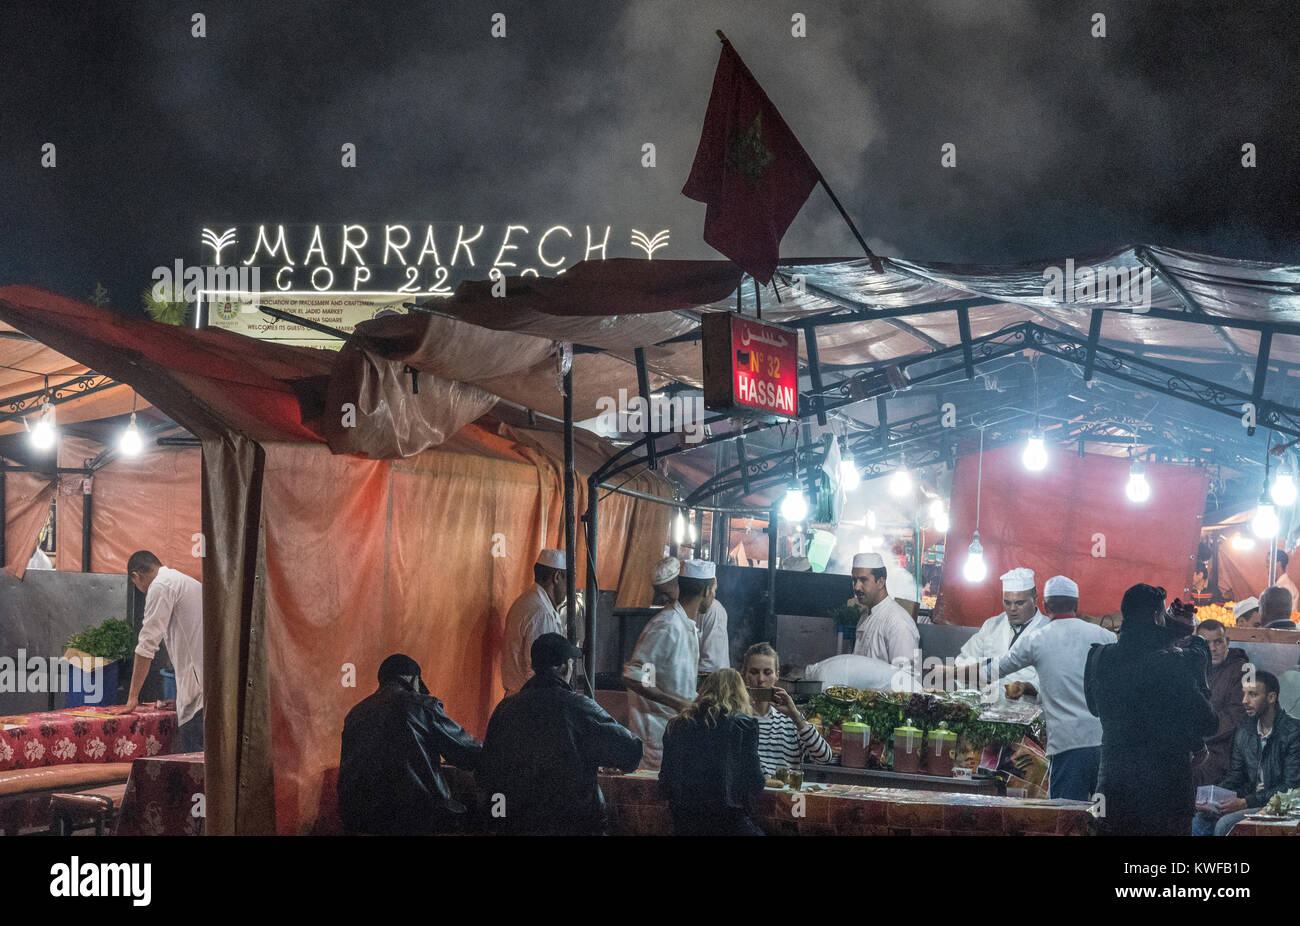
871, 519
130, 443
679, 529
1265, 523
936, 507
900, 484
43, 435
794, 507
975, 569
1035, 455
941, 523
849, 478
1283, 491
690, 531
1241, 543
1138, 489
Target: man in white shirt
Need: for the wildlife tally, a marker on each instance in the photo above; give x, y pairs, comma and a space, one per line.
663, 580
715, 647
533, 614
885, 631
1059, 653
1284, 580
660, 677
998, 635
173, 614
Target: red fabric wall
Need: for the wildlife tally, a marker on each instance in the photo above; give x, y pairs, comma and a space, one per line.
1047, 521
27, 505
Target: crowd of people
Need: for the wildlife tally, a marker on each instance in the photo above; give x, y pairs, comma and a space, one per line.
1136, 720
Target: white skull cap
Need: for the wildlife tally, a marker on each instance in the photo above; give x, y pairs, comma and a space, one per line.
553, 558
699, 569
667, 569
1060, 587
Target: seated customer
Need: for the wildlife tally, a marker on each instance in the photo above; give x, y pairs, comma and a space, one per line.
1265, 759
785, 738
1288, 698
390, 769
710, 773
1275, 609
1224, 677
544, 747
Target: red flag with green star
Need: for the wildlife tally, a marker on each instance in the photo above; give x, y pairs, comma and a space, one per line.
750, 170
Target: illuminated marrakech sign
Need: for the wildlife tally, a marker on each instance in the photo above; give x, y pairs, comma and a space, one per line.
750, 368
416, 259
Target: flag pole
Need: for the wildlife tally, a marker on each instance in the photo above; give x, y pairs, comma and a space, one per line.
875, 261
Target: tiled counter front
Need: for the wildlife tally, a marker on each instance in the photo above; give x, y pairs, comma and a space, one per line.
636, 809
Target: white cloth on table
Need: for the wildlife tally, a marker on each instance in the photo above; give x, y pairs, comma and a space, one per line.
852, 671
173, 614
887, 632
715, 647
1058, 652
532, 615
671, 643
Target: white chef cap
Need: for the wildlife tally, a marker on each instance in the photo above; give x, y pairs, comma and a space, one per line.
868, 561
553, 558
1244, 607
667, 569
1019, 579
698, 569
1060, 587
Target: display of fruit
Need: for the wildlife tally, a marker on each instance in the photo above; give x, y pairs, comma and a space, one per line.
1223, 614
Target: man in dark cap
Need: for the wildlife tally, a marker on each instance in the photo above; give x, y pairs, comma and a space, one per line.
1154, 705
544, 747
390, 767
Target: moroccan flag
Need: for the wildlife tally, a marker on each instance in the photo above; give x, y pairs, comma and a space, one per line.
750, 170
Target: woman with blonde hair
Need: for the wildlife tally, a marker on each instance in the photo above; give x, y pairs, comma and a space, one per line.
711, 773
785, 738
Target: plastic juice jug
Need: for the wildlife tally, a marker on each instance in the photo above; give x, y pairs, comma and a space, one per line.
854, 742
907, 748
940, 744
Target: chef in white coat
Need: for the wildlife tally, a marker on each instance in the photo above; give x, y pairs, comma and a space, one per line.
660, 677
533, 614
1059, 652
999, 635
885, 631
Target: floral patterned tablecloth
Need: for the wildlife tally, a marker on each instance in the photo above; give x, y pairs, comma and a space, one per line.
164, 797
81, 734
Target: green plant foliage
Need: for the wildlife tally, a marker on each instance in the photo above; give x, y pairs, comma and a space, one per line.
160, 310
112, 640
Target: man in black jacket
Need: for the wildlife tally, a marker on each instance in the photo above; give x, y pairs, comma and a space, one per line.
390, 768
1154, 705
1265, 758
544, 747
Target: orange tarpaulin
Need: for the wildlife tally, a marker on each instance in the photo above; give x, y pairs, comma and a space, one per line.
150, 502
1072, 519
27, 505
421, 556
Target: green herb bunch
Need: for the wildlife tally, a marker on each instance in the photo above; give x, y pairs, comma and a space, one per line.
114, 639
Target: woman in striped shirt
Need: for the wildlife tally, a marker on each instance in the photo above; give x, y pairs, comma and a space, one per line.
785, 738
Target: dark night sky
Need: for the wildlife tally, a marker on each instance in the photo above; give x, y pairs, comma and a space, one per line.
1065, 142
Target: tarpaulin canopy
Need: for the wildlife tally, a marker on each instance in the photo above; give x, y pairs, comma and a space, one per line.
318, 563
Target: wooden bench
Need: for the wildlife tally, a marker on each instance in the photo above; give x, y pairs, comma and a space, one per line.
26, 793
97, 807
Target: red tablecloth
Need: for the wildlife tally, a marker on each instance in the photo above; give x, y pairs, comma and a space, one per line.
160, 796
66, 737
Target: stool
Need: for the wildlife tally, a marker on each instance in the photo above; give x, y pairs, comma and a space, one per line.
81, 809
